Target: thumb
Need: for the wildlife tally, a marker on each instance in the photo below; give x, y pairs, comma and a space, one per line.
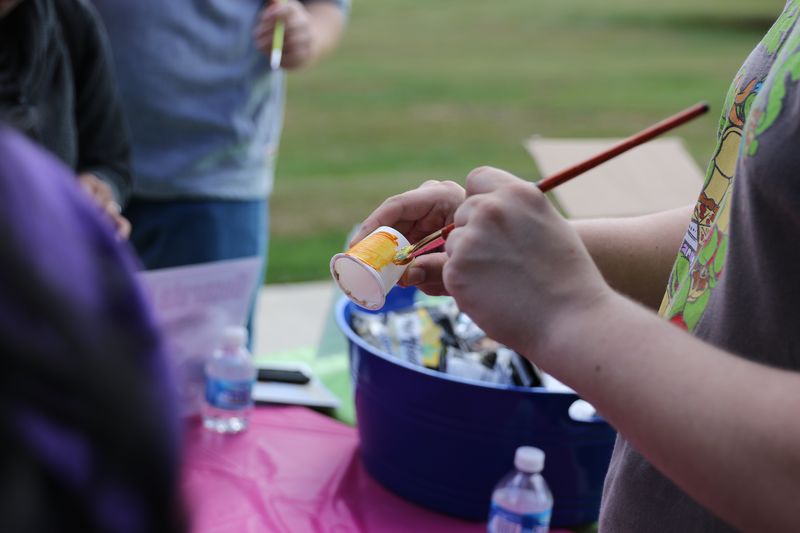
484, 180
426, 273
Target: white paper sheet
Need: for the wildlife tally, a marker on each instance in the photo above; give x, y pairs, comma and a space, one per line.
193, 305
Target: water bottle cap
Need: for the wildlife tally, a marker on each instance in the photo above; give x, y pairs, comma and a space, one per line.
529, 459
234, 337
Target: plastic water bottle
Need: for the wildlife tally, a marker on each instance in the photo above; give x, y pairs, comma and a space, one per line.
230, 375
521, 501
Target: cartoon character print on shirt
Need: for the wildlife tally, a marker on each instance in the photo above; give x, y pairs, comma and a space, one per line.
770, 106
701, 258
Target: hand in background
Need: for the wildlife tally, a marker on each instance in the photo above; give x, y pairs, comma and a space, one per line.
299, 39
101, 194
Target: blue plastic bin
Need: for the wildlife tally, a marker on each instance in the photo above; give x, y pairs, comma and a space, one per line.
443, 442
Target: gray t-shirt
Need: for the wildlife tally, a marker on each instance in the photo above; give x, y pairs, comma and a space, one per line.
204, 108
734, 283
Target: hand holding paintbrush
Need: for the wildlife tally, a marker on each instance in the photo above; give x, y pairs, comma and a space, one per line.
284, 34
436, 239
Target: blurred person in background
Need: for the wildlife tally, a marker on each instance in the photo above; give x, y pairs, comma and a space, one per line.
705, 394
56, 86
89, 435
206, 113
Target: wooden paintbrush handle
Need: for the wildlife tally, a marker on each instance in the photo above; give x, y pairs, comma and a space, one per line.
623, 146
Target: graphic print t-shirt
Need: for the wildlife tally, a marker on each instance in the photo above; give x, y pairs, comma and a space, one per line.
735, 282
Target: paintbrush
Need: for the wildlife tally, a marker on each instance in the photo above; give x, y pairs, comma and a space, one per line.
277, 43
437, 238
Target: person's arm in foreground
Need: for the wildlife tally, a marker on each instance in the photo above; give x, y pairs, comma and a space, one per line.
680, 402
635, 254
312, 30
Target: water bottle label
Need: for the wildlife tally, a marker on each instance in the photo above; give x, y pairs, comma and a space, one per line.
232, 395
504, 521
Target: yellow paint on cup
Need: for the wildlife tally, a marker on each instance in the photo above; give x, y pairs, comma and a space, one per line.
367, 271
377, 250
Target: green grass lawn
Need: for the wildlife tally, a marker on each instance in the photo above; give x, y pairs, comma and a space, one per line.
431, 89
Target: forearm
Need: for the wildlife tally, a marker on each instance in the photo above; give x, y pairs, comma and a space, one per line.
722, 428
328, 22
635, 254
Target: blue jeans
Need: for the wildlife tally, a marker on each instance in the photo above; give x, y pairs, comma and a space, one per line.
168, 233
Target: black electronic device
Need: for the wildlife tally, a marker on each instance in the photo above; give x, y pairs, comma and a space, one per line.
279, 375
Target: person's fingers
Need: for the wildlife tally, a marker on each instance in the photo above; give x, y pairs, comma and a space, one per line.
263, 35
100, 196
267, 20
293, 9
472, 219
424, 268
436, 288
98, 190
296, 23
406, 206
298, 39
424, 208
123, 226
296, 53
297, 42
462, 214
280, 10
264, 32
105, 194
453, 240
484, 180
295, 20
426, 274
112, 208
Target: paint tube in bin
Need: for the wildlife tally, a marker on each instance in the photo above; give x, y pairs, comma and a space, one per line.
372, 328
416, 336
523, 372
440, 337
406, 332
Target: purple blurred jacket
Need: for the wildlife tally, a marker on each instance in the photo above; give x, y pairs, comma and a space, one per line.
60, 237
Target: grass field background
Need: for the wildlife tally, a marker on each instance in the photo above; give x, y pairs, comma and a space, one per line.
431, 89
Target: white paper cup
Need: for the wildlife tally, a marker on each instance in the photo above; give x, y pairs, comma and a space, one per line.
366, 272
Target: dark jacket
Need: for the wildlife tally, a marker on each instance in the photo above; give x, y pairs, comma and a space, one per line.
57, 86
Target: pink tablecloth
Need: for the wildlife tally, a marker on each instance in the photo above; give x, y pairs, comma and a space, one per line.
295, 471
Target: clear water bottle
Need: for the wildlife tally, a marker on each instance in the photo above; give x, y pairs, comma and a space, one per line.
230, 375
521, 501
